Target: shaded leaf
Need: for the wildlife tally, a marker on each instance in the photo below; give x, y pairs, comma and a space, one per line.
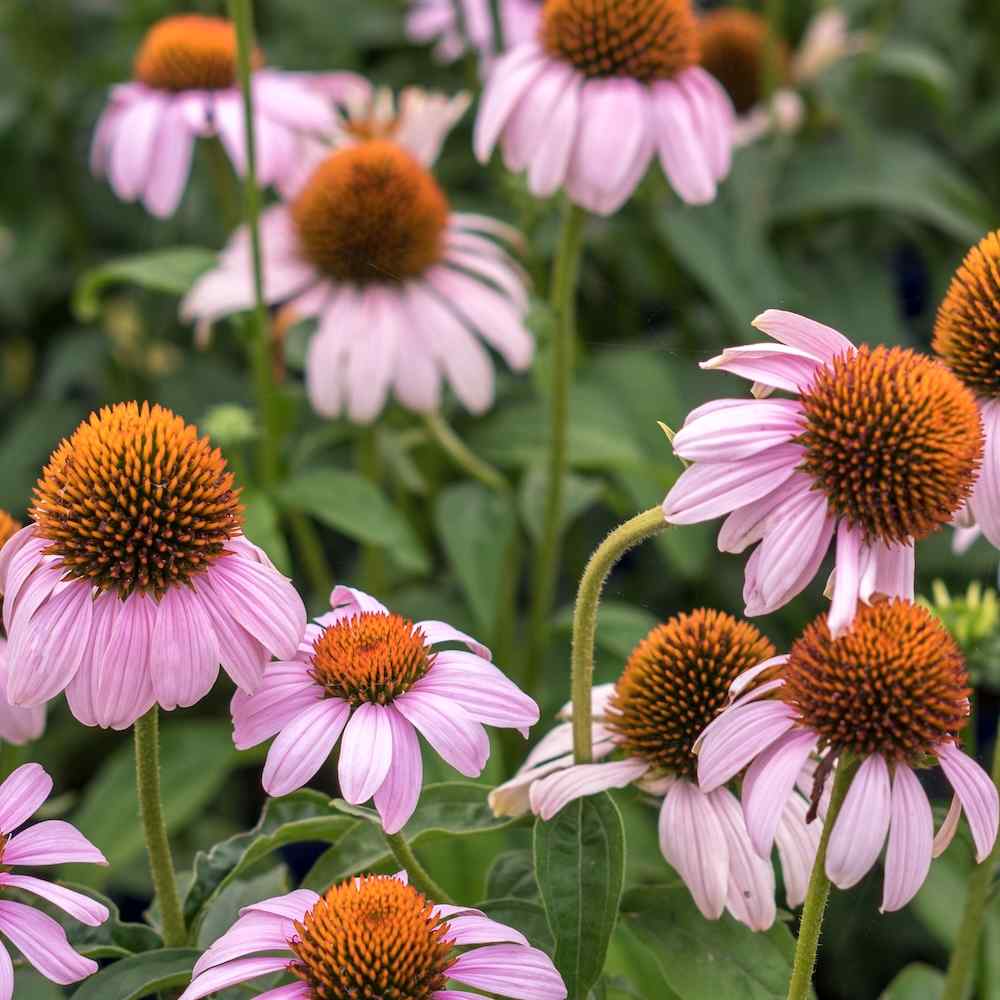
916, 982
140, 975
524, 915
580, 493
512, 875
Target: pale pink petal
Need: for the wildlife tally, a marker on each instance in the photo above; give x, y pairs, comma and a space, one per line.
550, 794
797, 842
684, 154
526, 133
548, 166
254, 931
240, 971
510, 78
861, 826
22, 795
773, 365
985, 500
43, 943
460, 740
371, 356
293, 991
894, 570
769, 783
52, 842
738, 432
76, 904
358, 601
437, 632
474, 928
184, 654
292, 905
694, 842
749, 524
911, 839
708, 489
851, 558
509, 970
417, 379
325, 359
713, 116
949, 827
737, 736
303, 745
287, 691
816, 339
978, 794
397, 796
6, 975
365, 753
171, 163
963, 539
132, 153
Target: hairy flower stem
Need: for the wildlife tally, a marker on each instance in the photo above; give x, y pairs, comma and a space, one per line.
607, 554
161, 863
417, 874
962, 964
565, 272
811, 924
268, 404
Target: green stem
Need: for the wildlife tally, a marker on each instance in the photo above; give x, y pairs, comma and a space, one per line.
588, 598
161, 864
811, 924
566, 269
771, 70
309, 546
463, 457
497, 21
418, 875
224, 182
241, 13
961, 965
369, 462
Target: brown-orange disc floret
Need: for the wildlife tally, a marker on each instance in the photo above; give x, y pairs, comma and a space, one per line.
371, 213
370, 657
895, 684
646, 40
893, 439
134, 500
734, 47
967, 331
373, 939
8, 528
676, 681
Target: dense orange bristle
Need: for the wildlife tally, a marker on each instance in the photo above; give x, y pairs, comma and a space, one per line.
894, 441
370, 657
373, 939
8, 528
967, 331
189, 52
895, 684
733, 49
371, 213
646, 40
675, 682
134, 500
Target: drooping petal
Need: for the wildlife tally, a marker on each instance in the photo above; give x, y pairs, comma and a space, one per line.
231, 974
849, 567
303, 745
436, 632
509, 970
460, 740
861, 827
985, 500
911, 840
76, 904
798, 842
22, 795
737, 736
509, 81
43, 943
132, 153
365, 752
287, 691
550, 794
739, 432
816, 339
977, 792
52, 842
170, 164
684, 155
772, 365
397, 796
949, 827
184, 653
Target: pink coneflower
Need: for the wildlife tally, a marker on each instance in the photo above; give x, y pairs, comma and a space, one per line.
134, 581
405, 291
369, 931
891, 693
185, 88
603, 87
17, 725
674, 683
453, 28
377, 678
967, 339
879, 447
39, 938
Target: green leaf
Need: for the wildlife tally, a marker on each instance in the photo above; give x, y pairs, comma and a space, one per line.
448, 809
261, 526
580, 493
173, 271
140, 975
916, 982
196, 757
303, 816
224, 909
707, 959
114, 938
512, 875
580, 866
351, 504
476, 527
524, 915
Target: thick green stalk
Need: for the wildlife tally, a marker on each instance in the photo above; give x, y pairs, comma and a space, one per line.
462, 456
369, 463
811, 924
566, 269
588, 599
241, 13
161, 863
962, 964
418, 875
309, 546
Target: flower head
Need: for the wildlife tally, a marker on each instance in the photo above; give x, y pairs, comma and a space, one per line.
185, 88
604, 86
672, 687
379, 679
967, 340
367, 933
404, 289
134, 581
890, 693
880, 447
36, 935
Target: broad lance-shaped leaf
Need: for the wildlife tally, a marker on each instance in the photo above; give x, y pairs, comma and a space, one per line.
303, 816
580, 867
708, 959
525, 915
141, 975
448, 809
916, 982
